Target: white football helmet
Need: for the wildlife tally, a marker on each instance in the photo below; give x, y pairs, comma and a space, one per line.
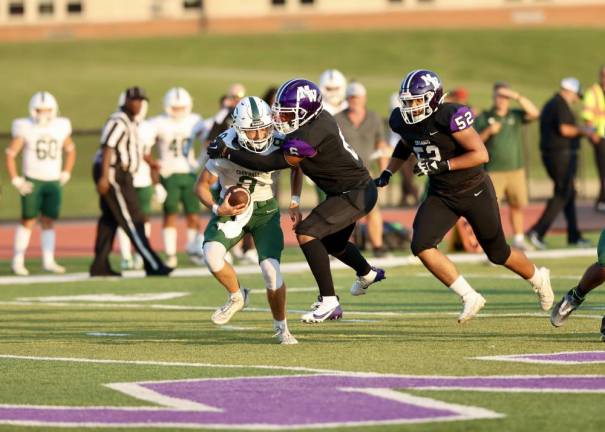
43, 107
253, 123
333, 86
144, 107
178, 102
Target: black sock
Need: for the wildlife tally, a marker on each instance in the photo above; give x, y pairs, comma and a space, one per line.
319, 262
354, 259
577, 296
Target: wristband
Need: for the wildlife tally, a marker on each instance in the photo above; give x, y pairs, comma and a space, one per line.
215, 209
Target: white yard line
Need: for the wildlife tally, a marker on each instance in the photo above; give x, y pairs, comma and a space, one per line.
293, 267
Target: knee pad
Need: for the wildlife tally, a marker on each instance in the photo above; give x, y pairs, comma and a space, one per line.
497, 253
214, 255
271, 274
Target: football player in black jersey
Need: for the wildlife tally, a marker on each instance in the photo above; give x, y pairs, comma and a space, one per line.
451, 153
315, 144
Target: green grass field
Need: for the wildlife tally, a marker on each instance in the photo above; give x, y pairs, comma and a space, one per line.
406, 325
87, 76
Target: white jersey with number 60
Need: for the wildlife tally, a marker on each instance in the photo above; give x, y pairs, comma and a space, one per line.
43, 146
171, 136
230, 174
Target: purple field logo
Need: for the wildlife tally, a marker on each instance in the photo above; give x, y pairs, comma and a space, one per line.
566, 357
287, 402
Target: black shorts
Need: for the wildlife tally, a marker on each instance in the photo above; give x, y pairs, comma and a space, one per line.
439, 213
339, 211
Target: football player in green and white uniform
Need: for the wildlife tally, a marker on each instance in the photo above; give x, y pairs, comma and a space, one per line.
252, 131
172, 132
43, 137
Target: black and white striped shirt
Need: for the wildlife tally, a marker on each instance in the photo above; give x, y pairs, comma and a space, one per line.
120, 134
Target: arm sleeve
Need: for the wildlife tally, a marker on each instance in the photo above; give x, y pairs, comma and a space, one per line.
113, 132
266, 163
402, 151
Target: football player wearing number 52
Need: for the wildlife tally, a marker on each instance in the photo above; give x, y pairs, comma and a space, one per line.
43, 138
252, 132
451, 153
315, 144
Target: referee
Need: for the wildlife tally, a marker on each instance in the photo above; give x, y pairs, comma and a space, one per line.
114, 164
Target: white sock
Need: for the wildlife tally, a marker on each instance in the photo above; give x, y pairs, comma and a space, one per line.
169, 240
192, 240
280, 324
22, 236
48, 247
370, 276
519, 238
461, 286
148, 229
237, 295
536, 279
330, 301
124, 244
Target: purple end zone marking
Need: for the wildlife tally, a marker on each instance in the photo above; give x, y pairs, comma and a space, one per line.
298, 401
571, 357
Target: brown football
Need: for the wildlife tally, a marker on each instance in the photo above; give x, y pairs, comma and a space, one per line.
239, 195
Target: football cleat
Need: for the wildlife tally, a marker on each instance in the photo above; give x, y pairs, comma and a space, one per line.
473, 303
284, 337
536, 241
137, 262
323, 312
54, 268
564, 308
223, 314
197, 259
522, 245
362, 283
20, 270
603, 329
544, 292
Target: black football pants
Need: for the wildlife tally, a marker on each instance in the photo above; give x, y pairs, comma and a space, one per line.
120, 207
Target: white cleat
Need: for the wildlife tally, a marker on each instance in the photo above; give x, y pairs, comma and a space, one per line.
198, 260
473, 303
322, 312
223, 314
544, 292
172, 261
284, 337
20, 270
126, 264
137, 262
362, 283
55, 268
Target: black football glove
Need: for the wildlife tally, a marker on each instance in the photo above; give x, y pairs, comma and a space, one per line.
384, 178
217, 149
431, 167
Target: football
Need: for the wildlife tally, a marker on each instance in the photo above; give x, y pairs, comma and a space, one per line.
238, 195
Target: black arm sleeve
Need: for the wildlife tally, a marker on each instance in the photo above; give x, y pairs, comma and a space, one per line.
266, 163
402, 151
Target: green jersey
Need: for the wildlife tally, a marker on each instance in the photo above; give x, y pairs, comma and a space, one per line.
506, 147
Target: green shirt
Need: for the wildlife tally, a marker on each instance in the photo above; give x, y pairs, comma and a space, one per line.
506, 147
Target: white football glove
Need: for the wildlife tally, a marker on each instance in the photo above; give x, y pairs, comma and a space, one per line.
160, 193
23, 186
64, 177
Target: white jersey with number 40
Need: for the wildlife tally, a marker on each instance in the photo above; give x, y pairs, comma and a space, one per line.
171, 136
230, 174
43, 146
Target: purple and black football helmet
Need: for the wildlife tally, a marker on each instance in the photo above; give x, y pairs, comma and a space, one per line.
297, 102
421, 93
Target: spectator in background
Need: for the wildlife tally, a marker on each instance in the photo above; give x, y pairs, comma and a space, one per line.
221, 121
593, 115
409, 191
459, 95
501, 129
333, 86
364, 131
559, 144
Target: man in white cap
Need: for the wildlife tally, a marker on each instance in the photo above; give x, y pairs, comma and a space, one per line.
559, 144
364, 131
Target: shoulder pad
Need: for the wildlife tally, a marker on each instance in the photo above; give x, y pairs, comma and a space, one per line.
229, 137
278, 139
